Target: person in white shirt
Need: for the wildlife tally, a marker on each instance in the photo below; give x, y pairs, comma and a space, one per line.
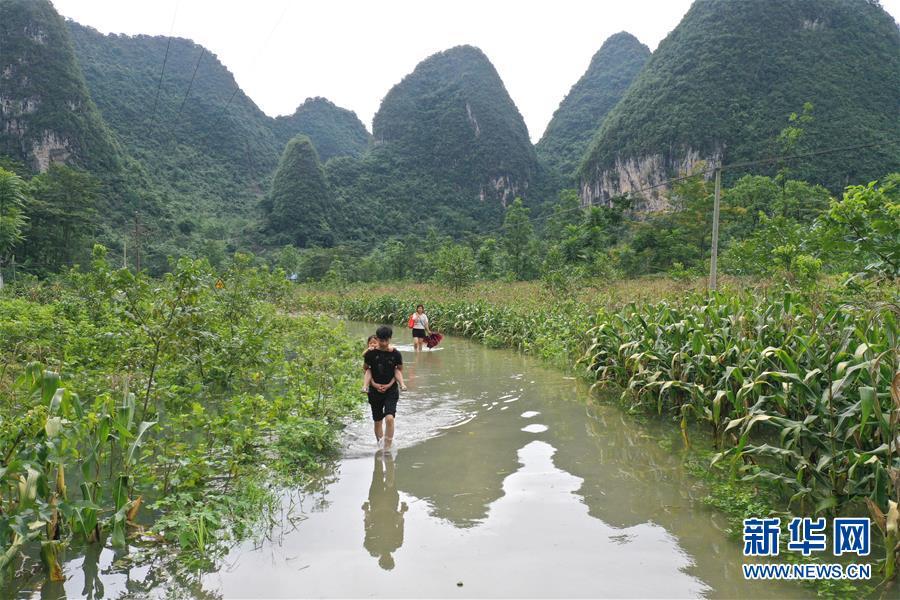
420, 329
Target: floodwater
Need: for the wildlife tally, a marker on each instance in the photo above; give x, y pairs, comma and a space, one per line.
506, 480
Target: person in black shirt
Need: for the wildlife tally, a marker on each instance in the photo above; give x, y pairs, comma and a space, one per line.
386, 366
383, 513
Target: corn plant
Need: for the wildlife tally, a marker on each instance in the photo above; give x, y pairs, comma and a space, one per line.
794, 390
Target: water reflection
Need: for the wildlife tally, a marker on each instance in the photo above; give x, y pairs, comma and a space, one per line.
384, 512
557, 496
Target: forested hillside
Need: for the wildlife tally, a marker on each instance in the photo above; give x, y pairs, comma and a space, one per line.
47, 116
453, 119
203, 140
333, 130
166, 154
299, 209
722, 83
581, 112
450, 151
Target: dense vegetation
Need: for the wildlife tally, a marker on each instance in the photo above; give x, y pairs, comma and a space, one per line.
334, 131
120, 390
797, 390
47, 114
722, 80
205, 143
180, 157
612, 69
450, 150
452, 117
193, 395
300, 209
783, 229
44, 92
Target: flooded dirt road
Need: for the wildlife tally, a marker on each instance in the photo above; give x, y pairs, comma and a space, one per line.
506, 480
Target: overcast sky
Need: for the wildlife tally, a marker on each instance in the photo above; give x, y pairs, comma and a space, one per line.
353, 51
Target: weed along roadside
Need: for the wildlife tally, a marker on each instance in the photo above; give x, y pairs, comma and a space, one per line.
796, 395
158, 416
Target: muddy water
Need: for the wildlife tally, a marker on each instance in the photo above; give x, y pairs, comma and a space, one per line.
505, 481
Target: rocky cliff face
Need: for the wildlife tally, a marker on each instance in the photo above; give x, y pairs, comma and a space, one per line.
46, 113
644, 179
612, 69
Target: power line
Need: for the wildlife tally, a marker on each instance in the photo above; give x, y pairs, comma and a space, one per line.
808, 154
190, 85
163, 72
259, 52
712, 170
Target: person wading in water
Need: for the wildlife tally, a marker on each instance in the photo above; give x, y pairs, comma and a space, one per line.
386, 366
383, 513
420, 328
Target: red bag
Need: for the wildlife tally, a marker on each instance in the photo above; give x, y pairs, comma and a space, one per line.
412, 321
433, 340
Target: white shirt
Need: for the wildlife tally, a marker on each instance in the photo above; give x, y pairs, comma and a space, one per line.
420, 321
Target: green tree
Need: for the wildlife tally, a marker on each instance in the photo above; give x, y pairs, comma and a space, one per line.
771, 248
742, 204
754, 196
865, 226
802, 201
790, 139
395, 260
289, 259
456, 266
486, 258
565, 214
300, 204
518, 240
63, 216
556, 275
12, 217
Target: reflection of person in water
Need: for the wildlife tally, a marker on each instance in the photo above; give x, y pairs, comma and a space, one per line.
384, 518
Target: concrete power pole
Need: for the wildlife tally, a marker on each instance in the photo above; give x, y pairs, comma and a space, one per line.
137, 242
715, 233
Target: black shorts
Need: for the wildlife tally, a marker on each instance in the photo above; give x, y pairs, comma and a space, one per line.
419, 333
383, 404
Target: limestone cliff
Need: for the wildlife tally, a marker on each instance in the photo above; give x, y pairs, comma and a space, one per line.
722, 84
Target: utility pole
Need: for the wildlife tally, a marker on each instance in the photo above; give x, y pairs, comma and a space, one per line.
137, 242
125, 253
715, 232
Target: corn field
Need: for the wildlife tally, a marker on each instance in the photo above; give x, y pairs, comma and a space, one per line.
800, 393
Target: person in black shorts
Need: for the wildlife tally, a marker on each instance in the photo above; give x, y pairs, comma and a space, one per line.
420, 329
386, 366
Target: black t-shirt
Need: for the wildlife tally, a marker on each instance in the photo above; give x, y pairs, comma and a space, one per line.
382, 364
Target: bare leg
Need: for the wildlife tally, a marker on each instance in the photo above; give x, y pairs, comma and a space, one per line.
388, 430
379, 431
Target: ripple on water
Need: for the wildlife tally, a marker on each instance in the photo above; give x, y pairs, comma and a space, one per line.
530, 413
420, 416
